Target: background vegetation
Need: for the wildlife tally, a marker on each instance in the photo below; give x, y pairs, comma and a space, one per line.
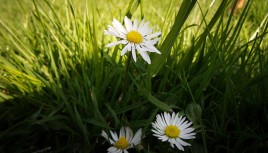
60, 86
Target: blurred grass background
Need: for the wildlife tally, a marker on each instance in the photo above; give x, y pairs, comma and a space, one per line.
60, 86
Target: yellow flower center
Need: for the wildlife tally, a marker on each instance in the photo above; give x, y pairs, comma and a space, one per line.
121, 143
135, 37
172, 131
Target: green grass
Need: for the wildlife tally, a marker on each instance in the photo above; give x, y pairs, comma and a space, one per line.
60, 86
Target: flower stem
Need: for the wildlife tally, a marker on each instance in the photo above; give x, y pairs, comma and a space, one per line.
124, 88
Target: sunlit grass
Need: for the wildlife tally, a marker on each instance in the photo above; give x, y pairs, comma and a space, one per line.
60, 86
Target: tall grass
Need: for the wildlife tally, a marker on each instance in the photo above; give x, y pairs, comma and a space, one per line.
60, 86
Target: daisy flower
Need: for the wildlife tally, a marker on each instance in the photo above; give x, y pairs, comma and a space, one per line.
123, 141
134, 37
172, 128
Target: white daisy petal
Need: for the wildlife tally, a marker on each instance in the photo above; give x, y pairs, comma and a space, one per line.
113, 31
137, 137
119, 151
157, 132
163, 138
153, 35
157, 126
179, 145
129, 47
112, 149
188, 130
171, 144
144, 55
104, 134
152, 49
129, 134
141, 25
183, 143
151, 42
116, 43
114, 136
188, 136
124, 50
173, 129
144, 29
135, 25
175, 120
125, 151
128, 24
167, 118
185, 125
120, 27
109, 32
122, 132
133, 50
181, 121
160, 121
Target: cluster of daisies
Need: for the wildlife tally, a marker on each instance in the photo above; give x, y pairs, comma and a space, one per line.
168, 127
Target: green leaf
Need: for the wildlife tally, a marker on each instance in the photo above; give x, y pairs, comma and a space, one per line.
113, 113
159, 104
159, 60
193, 112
